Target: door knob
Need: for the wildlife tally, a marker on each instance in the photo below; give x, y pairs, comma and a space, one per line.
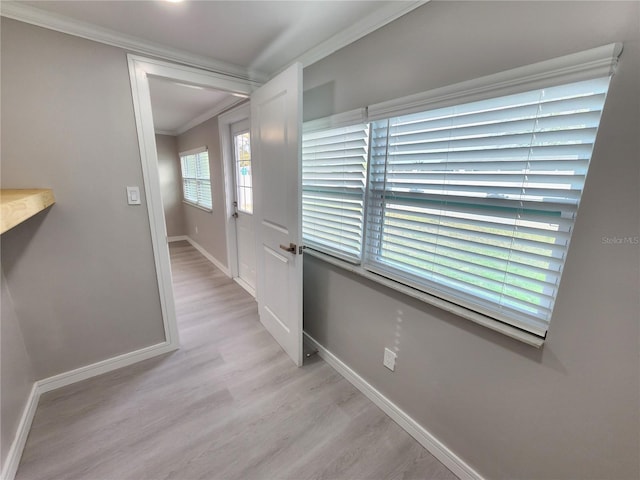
292, 248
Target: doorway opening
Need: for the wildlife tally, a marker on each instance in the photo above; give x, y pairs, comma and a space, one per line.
141, 69
276, 127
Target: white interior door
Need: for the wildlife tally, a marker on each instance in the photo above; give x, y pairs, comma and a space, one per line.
276, 129
243, 203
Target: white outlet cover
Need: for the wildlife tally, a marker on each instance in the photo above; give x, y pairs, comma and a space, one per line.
389, 359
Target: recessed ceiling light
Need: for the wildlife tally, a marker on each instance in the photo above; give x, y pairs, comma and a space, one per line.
174, 1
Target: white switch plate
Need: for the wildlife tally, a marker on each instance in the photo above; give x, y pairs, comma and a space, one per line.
133, 195
389, 359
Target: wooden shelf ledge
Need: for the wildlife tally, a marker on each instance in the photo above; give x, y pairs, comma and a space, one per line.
16, 206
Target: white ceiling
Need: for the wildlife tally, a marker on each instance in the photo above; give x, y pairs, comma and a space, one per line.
259, 38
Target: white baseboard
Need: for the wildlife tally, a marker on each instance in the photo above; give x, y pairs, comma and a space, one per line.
177, 238
208, 256
104, 366
452, 461
246, 286
10, 464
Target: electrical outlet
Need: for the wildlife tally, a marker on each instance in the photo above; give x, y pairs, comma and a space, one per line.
389, 359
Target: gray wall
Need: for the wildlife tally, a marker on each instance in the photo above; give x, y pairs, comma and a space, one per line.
570, 410
211, 225
171, 184
82, 274
16, 373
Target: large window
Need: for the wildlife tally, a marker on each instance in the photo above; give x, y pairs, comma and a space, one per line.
196, 179
472, 203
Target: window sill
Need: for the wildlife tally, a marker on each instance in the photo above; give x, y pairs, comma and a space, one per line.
475, 317
199, 207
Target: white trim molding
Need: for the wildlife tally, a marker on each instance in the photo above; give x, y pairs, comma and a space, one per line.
344, 119
220, 107
237, 114
89, 31
140, 68
104, 366
228, 272
217, 263
170, 133
250, 290
451, 460
11, 463
586, 65
61, 23
372, 22
177, 238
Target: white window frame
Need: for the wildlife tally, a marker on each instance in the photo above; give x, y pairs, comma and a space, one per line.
590, 64
199, 181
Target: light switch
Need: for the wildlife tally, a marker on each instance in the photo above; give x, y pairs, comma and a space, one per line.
133, 195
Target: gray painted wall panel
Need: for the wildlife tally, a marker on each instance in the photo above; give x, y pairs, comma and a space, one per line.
81, 274
171, 184
570, 410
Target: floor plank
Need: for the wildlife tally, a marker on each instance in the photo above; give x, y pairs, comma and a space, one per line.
228, 405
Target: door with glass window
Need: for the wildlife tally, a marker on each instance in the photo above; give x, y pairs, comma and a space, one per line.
245, 237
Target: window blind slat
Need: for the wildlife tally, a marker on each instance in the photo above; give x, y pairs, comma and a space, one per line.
522, 153
469, 276
334, 163
479, 260
478, 200
493, 244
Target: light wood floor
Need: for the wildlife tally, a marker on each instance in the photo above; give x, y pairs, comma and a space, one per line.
228, 405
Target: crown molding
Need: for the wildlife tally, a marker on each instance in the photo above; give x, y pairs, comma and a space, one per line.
60, 23
170, 133
89, 31
217, 109
361, 28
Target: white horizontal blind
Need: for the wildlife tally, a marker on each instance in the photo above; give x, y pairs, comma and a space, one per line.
196, 179
475, 203
334, 165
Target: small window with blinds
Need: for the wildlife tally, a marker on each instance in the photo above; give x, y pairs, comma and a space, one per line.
475, 203
334, 166
196, 179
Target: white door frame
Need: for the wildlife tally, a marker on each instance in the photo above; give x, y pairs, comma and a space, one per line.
139, 70
237, 114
